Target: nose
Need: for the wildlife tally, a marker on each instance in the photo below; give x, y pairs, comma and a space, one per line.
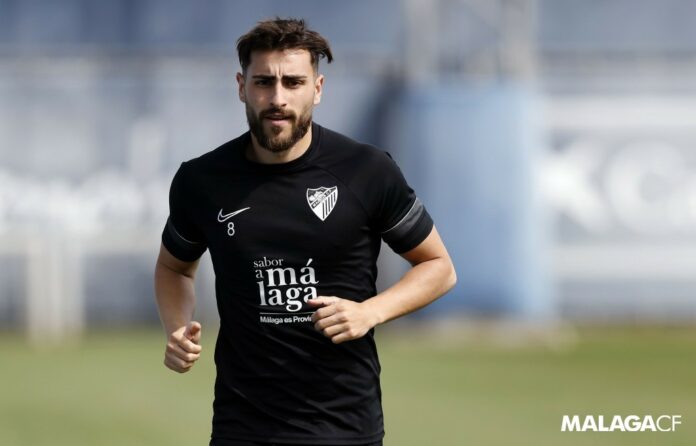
278, 96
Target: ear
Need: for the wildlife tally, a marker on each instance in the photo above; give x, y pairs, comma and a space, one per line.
318, 86
241, 82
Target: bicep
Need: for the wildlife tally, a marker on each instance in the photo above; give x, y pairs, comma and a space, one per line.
430, 248
167, 260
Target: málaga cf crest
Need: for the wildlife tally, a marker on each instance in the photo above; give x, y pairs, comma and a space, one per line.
322, 200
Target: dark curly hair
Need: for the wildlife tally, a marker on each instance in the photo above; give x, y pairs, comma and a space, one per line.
282, 34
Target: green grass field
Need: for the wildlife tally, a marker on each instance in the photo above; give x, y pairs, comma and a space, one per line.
112, 389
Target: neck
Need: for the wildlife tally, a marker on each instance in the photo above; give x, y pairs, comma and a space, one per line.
261, 155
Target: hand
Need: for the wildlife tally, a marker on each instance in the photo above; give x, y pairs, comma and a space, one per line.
182, 347
341, 319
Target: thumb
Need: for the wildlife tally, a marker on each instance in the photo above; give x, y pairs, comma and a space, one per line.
193, 331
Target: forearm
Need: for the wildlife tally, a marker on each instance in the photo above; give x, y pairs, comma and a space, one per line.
176, 297
421, 285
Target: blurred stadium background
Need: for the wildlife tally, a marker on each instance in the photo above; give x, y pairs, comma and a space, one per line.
553, 141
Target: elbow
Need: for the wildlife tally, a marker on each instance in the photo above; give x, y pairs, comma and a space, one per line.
451, 277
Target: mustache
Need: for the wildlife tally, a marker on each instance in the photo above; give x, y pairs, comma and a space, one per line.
277, 112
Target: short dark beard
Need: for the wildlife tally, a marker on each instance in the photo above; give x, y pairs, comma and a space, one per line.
299, 128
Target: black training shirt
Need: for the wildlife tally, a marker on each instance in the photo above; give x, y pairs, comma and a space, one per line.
280, 234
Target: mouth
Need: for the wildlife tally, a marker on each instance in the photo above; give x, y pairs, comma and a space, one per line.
277, 118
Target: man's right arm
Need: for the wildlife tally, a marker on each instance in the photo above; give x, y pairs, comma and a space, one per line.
176, 302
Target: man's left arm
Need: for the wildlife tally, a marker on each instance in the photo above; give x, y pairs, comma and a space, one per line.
432, 275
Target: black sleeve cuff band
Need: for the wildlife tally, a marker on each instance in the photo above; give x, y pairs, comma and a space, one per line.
180, 247
411, 230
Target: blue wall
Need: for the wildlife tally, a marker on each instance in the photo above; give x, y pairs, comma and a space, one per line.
470, 154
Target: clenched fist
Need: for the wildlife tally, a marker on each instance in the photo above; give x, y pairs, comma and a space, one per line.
341, 320
183, 348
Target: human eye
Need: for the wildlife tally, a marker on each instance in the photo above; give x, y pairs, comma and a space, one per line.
263, 82
294, 83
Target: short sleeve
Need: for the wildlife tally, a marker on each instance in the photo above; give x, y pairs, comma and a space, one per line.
400, 216
181, 236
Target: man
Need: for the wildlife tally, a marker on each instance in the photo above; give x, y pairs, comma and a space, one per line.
293, 215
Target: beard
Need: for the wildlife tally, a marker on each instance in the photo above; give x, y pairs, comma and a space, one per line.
271, 139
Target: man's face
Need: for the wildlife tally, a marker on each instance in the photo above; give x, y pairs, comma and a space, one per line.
279, 90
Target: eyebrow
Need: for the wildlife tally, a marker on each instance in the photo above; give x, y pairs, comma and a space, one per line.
286, 77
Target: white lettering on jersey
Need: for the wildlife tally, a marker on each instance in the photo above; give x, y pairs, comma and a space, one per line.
223, 218
284, 287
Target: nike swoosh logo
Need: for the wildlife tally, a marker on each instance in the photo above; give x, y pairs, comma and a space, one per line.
224, 218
